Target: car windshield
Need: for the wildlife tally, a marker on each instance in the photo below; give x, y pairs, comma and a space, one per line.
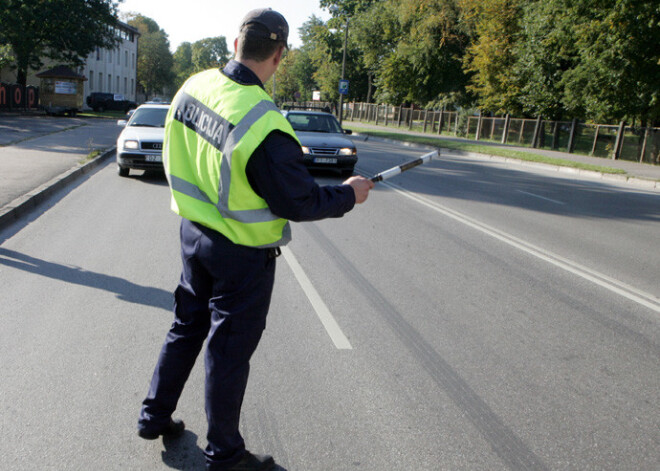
313, 122
149, 117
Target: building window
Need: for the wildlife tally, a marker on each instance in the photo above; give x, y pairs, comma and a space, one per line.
126, 58
133, 61
133, 88
110, 57
98, 53
118, 89
125, 86
100, 82
118, 57
109, 83
91, 81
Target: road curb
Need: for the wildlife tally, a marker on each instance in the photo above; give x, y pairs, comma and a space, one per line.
628, 179
17, 208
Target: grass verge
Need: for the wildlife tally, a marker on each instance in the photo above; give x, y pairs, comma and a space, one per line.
485, 149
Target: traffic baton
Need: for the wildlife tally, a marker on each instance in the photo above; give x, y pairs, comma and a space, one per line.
389, 173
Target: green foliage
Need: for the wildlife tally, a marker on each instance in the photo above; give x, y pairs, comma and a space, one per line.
62, 30
618, 71
154, 59
182, 64
544, 53
207, 53
6, 57
210, 53
490, 58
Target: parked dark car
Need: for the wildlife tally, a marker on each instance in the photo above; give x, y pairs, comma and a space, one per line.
109, 101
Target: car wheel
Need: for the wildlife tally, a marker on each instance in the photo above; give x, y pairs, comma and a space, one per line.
122, 171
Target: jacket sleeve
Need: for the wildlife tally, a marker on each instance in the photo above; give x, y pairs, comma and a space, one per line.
277, 173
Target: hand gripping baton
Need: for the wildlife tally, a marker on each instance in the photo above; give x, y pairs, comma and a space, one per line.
389, 173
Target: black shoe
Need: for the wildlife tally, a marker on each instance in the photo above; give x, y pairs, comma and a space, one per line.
174, 429
252, 462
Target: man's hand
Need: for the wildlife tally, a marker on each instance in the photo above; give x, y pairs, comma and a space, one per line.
361, 187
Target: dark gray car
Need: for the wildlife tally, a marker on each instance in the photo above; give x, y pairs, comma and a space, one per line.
324, 142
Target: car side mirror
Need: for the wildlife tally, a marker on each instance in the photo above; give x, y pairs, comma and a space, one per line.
348, 131
122, 122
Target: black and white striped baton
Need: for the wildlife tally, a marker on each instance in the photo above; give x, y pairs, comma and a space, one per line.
389, 173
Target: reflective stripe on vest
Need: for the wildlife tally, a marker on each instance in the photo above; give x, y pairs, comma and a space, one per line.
224, 136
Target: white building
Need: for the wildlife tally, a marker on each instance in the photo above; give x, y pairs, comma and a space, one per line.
114, 70
106, 70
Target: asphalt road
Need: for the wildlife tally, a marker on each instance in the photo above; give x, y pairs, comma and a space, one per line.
468, 317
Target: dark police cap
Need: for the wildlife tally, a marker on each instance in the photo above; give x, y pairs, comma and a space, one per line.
266, 23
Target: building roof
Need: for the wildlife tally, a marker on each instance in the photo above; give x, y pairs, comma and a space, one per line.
61, 71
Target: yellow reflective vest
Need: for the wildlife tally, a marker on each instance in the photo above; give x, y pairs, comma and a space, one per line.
212, 128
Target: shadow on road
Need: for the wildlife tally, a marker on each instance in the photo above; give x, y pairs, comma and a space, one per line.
125, 290
462, 179
185, 454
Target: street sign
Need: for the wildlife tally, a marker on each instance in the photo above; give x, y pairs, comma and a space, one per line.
343, 87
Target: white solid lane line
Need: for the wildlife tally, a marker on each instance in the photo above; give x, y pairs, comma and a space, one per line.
641, 297
540, 197
328, 321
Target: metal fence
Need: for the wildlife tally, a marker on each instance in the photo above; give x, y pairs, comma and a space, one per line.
598, 140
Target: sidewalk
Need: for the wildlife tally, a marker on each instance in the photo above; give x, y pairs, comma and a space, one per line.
641, 175
40, 154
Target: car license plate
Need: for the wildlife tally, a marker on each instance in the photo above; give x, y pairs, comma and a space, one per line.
325, 160
154, 158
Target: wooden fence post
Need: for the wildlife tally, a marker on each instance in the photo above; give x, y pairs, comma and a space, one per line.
411, 116
646, 137
537, 132
440, 122
477, 134
426, 115
398, 121
593, 147
571, 137
505, 132
618, 143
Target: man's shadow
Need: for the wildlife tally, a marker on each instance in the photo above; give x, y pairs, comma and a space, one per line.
185, 454
124, 289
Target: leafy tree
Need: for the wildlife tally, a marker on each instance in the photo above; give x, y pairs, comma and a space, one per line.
302, 69
490, 58
546, 51
62, 30
210, 53
154, 59
286, 82
427, 61
182, 67
376, 32
618, 71
6, 56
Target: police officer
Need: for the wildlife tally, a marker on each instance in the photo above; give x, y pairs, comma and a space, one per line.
236, 174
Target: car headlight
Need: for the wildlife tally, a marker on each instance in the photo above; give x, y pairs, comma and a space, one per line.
130, 144
347, 151
305, 150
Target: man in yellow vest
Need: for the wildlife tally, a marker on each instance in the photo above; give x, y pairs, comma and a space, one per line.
236, 174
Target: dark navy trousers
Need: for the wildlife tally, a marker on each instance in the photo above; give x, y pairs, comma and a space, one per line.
223, 296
